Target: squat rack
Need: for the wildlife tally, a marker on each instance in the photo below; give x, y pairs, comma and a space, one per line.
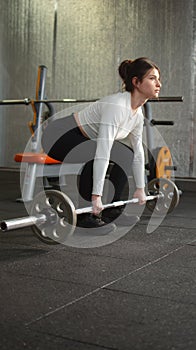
35, 126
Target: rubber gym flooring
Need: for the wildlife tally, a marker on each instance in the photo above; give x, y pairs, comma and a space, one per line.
135, 293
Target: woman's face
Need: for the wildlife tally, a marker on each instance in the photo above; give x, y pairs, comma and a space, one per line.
150, 85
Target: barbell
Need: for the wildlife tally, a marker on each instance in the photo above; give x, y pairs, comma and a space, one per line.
53, 216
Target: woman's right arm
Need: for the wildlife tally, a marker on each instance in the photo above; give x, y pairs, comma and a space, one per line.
107, 133
105, 141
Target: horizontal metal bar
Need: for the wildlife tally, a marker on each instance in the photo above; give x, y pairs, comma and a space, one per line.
26, 221
27, 100
117, 204
170, 167
167, 99
161, 122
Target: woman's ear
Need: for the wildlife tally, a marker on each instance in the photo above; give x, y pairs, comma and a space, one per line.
135, 81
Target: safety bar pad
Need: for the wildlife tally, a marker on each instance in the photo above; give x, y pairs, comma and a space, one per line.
38, 158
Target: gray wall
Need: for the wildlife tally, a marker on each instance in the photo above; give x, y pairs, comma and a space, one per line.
82, 42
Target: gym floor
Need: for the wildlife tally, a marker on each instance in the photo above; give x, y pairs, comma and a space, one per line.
137, 293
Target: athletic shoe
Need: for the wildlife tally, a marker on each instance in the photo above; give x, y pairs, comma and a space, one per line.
120, 218
95, 223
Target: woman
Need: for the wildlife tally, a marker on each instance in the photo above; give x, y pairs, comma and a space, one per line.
106, 121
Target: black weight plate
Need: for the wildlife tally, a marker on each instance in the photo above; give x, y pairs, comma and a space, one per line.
170, 200
53, 201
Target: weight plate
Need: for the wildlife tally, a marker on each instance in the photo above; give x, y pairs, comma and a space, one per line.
163, 161
170, 196
160, 160
60, 216
152, 164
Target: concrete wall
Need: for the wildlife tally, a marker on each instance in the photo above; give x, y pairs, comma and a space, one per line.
82, 43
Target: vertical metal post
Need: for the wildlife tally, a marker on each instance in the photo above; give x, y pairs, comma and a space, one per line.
40, 92
31, 169
149, 132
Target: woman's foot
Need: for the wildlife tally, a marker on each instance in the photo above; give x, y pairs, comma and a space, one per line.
95, 223
120, 218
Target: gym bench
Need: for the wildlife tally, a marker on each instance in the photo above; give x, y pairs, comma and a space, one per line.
40, 165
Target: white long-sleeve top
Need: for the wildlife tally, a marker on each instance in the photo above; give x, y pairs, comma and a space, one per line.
111, 119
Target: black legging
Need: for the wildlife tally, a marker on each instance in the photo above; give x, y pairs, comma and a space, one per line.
63, 141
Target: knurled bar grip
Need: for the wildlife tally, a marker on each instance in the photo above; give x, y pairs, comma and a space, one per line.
117, 204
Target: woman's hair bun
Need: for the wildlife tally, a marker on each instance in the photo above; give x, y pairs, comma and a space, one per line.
123, 68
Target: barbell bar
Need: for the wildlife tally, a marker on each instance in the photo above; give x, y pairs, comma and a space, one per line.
26, 221
39, 219
53, 216
27, 100
118, 204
